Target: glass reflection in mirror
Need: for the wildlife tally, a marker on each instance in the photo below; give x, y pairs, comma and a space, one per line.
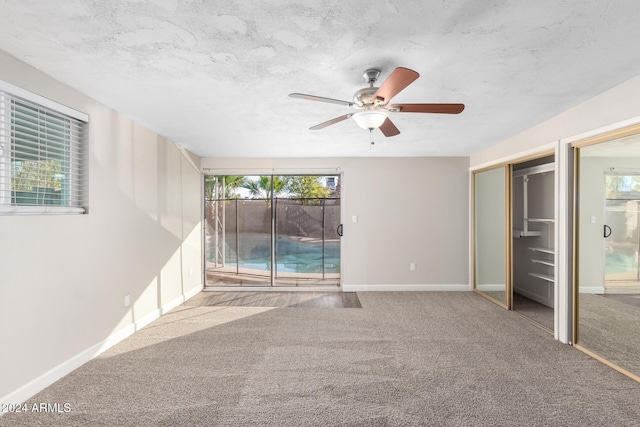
490, 234
608, 282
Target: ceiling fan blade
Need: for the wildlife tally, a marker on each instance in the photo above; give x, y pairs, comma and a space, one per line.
428, 108
398, 80
331, 122
320, 98
388, 128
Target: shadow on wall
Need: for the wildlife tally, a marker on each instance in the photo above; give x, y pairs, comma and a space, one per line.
140, 241
157, 238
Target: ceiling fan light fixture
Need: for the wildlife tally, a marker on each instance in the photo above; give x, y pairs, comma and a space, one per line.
370, 119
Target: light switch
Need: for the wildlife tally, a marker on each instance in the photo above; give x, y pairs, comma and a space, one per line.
593, 219
354, 218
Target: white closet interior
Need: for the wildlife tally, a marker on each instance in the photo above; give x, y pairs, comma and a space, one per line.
533, 230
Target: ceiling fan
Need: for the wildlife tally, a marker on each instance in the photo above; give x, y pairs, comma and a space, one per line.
373, 105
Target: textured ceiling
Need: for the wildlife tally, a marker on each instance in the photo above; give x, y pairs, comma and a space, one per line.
214, 75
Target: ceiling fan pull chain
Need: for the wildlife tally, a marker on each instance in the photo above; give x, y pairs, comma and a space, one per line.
371, 137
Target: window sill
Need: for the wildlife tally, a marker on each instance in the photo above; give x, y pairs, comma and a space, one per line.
40, 210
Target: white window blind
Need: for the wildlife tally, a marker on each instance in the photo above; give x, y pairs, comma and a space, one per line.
42, 159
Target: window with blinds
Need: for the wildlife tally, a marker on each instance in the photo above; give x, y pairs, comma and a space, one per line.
42, 162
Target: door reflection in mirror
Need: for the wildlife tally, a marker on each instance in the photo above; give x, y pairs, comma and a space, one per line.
608, 285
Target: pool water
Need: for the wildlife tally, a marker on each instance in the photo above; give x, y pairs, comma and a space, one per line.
616, 263
292, 255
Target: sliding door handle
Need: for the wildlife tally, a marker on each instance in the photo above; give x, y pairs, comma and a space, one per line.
606, 227
339, 230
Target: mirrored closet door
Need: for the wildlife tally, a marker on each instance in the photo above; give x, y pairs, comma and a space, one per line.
607, 288
490, 225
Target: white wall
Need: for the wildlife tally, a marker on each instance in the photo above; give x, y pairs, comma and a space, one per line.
63, 279
410, 210
616, 105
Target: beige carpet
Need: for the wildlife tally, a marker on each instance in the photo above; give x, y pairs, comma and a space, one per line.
611, 329
430, 358
533, 310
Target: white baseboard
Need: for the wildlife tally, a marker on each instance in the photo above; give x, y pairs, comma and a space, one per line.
146, 319
404, 288
303, 288
591, 289
43, 381
179, 300
193, 292
54, 374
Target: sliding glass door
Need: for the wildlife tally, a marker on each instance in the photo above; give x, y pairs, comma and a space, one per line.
272, 230
307, 242
622, 244
238, 234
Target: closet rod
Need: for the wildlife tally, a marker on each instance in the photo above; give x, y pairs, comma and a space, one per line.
533, 170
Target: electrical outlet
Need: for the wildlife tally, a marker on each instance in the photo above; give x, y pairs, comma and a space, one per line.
127, 301
412, 266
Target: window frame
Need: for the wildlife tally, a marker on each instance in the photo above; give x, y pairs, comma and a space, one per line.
9, 92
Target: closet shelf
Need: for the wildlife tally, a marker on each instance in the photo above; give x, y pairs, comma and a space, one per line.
528, 233
543, 277
544, 250
545, 262
547, 220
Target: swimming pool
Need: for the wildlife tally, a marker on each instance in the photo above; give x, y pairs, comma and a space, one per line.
293, 254
617, 263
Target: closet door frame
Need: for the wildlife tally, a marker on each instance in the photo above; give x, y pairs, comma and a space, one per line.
508, 167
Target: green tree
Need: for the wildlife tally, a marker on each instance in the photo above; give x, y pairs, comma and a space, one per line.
307, 187
231, 185
261, 189
27, 174
619, 186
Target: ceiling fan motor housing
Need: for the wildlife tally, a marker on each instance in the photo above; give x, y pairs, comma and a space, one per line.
364, 97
